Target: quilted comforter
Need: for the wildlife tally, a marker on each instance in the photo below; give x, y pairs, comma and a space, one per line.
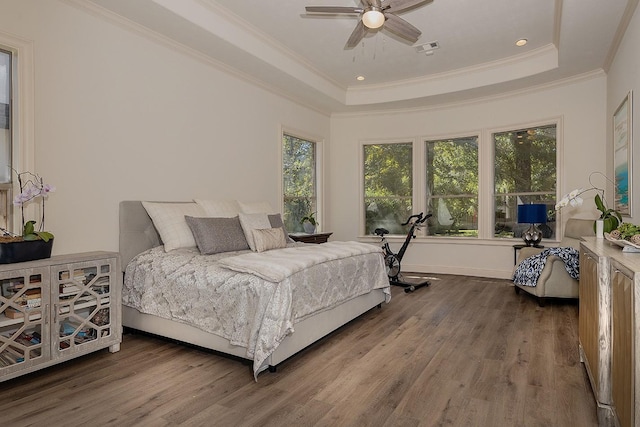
249, 311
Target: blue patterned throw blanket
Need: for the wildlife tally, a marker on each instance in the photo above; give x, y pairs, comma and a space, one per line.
529, 270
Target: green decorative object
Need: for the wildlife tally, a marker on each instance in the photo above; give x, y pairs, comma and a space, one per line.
309, 223
610, 217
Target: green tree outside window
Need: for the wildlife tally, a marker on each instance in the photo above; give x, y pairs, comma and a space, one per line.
388, 186
299, 180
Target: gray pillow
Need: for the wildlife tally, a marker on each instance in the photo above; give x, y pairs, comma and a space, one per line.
215, 235
276, 222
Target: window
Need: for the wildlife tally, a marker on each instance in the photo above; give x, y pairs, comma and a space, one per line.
525, 172
452, 186
470, 184
299, 180
5, 138
388, 185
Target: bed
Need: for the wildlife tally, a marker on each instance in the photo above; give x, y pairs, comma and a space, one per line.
180, 314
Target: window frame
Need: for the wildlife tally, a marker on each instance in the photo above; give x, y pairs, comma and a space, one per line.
6, 188
424, 201
22, 118
319, 168
416, 180
486, 174
491, 220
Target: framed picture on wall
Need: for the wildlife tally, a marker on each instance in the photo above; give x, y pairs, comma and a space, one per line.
622, 143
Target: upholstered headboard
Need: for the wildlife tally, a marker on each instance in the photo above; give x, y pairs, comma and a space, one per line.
137, 233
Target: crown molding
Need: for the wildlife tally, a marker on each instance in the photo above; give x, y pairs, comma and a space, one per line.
334, 100
142, 31
557, 22
266, 38
222, 24
622, 29
514, 67
478, 100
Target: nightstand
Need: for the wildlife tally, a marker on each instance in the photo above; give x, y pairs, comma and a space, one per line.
311, 238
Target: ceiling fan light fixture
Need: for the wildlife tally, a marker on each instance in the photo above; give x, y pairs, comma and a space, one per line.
373, 18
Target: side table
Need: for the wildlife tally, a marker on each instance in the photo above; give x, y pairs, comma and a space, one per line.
516, 248
311, 238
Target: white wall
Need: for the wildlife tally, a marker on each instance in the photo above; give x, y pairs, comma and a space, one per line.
624, 76
119, 116
582, 106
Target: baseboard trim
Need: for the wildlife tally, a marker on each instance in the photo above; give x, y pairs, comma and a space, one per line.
459, 271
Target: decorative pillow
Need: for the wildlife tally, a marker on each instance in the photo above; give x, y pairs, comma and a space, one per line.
168, 218
215, 235
269, 238
276, 221
219, 208
252, 222
255, 207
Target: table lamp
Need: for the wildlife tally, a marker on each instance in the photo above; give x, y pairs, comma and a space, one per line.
533, 214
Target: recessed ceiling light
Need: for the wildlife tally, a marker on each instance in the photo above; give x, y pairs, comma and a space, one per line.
521, 42
360, 78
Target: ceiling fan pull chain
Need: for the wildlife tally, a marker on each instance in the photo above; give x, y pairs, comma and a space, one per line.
375, 49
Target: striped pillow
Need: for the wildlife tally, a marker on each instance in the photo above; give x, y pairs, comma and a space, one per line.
269, 238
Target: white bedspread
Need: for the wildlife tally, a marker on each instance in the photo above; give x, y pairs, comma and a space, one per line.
276, 265
249, 311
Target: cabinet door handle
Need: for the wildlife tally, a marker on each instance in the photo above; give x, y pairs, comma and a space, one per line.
46, 314
55, 313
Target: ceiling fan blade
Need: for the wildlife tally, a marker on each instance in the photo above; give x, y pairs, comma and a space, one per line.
400, 5
333, 9
357, 35
401, 27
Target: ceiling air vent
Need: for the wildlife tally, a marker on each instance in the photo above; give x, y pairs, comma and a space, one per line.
427, 48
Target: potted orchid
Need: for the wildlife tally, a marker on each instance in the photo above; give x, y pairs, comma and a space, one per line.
610, 217
309, 223
33, 243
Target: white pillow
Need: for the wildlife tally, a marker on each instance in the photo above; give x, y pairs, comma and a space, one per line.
269, 238
168, 218
254, 221
255, 207
219, 208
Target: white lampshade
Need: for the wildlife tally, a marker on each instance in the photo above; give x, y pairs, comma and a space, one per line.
373, 19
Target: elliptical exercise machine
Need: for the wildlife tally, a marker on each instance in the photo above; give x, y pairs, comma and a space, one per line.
392, 261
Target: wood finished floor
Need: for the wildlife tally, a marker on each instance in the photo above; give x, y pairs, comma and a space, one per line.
462, 352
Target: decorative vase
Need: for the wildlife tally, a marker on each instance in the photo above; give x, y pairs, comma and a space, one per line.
309, 228
599, 228
25, 250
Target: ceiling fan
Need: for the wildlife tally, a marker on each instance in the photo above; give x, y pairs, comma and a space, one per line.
375, 14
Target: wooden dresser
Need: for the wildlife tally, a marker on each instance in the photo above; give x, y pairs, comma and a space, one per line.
609, 323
